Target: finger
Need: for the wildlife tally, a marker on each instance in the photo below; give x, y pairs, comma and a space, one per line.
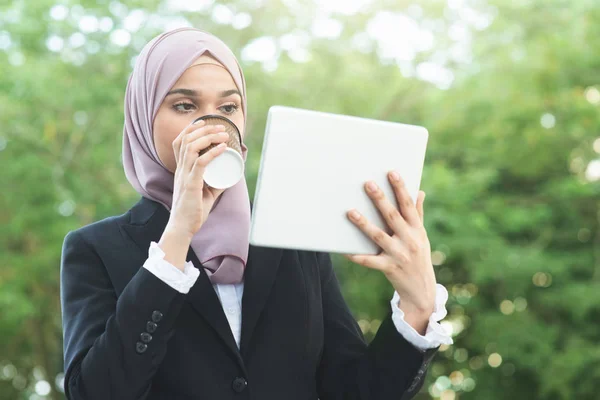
179, 139
405, 202
201, 162
388, 210
193, 133
380, 237
203, 131
192, 149
420, 201
370, 261
190, 133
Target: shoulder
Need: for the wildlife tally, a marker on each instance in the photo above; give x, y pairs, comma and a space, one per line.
101, 252
89, 253
105, 232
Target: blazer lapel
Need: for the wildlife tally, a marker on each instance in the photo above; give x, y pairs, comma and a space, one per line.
204, 300
259, 276
148, 221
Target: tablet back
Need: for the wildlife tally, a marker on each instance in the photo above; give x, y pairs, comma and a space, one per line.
313, 169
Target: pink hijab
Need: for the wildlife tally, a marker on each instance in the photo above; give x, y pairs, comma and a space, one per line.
222, 243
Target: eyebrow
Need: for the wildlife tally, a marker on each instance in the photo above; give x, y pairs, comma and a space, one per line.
195, 93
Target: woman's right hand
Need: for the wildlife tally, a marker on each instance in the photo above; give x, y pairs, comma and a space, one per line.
192, 198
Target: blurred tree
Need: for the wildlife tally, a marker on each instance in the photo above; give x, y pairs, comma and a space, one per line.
510, 92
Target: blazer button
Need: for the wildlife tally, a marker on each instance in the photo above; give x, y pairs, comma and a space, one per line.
156, 316
239, 384
151, 327
146, 337
141, 347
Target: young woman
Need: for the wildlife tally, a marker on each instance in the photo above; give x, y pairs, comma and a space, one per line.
169, 300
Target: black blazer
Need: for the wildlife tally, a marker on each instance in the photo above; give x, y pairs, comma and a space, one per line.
298, 340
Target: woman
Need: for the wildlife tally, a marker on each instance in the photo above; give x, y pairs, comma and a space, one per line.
169, 301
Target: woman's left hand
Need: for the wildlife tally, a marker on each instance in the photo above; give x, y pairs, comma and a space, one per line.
405, 259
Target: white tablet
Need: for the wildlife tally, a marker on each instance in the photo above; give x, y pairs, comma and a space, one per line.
313, 169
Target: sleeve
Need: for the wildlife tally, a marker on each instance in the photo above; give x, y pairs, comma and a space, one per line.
388, 368
435, 334
113, 345
182, 281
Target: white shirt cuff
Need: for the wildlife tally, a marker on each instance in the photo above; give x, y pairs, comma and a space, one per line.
179, 280
435, 334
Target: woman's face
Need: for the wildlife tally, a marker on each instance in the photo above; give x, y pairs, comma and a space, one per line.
204, 88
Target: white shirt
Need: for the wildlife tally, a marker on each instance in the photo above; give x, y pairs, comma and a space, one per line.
230, 296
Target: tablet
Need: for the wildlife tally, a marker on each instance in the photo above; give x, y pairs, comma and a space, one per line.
313, 169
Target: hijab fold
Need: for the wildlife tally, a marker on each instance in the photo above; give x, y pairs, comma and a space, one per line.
222, 242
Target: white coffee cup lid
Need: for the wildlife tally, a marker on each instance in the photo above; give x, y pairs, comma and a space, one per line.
224, 171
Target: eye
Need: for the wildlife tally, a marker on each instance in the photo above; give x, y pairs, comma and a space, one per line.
183, 107
229, 108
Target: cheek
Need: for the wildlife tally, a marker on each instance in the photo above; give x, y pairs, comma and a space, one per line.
238, 120
166, 129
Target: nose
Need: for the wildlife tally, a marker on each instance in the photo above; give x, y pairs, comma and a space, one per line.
204, 112
208, 108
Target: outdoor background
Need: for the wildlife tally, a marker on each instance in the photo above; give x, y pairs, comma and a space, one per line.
510, 93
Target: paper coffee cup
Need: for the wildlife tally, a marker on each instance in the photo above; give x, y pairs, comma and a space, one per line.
228, 168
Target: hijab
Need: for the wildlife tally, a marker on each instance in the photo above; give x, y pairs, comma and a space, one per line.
222, 243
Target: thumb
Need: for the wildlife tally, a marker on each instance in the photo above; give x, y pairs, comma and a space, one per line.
420, 201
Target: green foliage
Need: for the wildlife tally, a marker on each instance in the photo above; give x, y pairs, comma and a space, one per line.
512, 218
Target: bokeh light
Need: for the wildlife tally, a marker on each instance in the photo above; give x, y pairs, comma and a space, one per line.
542, 279
507, 307
495, 360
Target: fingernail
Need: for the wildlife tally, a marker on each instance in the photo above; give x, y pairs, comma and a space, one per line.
395, 176
354, 214
371, 187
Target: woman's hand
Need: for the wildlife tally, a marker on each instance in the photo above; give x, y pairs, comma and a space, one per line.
406, 256
192, 199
